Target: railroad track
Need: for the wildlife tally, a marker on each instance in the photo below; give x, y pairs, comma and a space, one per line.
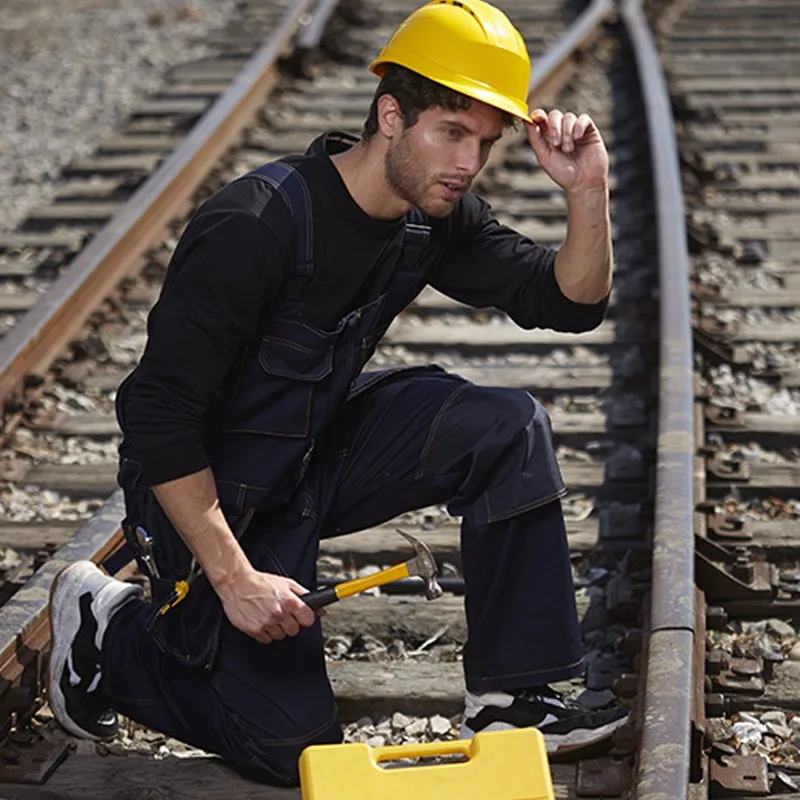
655, 428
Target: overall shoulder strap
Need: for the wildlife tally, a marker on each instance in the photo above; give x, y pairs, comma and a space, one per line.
407, 251
293, 189
416, 237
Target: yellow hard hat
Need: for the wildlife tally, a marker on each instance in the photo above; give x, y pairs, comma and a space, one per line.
466, 45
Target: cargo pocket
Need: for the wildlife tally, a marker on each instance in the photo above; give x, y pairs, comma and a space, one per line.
278, 379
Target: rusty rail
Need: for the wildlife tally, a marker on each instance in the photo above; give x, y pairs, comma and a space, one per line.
552, 71
24, 625
663, 768
24, 621
24, 632
559, 63
40, 336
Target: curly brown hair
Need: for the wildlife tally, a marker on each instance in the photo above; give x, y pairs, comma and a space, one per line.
414, 94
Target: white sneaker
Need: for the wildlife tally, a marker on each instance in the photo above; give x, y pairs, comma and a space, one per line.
82, 602
565, 724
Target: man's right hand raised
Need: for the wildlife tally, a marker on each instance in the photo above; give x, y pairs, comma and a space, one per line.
265, 606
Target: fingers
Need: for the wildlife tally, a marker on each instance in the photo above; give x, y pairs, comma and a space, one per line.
568, 132
260, 636
269, 609
582, 125
277, 629
294, 615
560, 129
304, 615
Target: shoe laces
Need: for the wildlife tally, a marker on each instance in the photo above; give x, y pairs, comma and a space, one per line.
539, 693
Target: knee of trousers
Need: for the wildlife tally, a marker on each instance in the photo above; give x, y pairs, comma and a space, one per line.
501, 441
276, 761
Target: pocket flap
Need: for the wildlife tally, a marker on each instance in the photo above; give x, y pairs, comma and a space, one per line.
308, 357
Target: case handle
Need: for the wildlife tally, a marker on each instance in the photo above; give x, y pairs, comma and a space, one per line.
394, 752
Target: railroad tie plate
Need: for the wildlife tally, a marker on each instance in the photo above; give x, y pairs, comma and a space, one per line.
603, 777
740, 776
31, 761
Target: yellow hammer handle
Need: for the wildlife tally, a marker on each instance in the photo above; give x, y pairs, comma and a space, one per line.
357, 585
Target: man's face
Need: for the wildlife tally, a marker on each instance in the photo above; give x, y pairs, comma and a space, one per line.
433, 163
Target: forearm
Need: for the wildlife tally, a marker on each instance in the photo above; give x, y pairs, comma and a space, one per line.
192, 505
584, 262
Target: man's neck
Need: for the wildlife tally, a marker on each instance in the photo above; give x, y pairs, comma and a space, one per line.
363, 170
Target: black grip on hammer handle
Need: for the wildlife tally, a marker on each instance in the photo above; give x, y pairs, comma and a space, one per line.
320, 598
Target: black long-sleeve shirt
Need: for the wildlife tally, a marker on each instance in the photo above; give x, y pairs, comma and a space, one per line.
230, 264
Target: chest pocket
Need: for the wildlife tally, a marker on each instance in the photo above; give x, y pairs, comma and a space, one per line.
290, 381
279, 378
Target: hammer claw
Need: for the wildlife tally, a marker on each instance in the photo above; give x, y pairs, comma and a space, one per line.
423, 564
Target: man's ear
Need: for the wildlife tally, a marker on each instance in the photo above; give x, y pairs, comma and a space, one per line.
391, 121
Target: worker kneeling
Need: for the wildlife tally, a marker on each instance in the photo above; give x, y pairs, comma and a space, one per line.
251, 431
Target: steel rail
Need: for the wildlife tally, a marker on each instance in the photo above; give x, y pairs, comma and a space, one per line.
40, 336
314, 28
24, 620
664, 759
557, 65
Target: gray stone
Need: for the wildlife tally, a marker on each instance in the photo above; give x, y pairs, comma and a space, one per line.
794, 653
417, 727
781, 731
594, 700
778, 717
783, 783
440, 726
107, 57
400, 721
748, 732
781, 628
753, 720
719, 729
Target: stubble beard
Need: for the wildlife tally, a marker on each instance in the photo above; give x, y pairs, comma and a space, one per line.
407, 180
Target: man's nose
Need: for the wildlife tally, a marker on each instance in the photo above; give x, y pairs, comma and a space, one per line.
469, 159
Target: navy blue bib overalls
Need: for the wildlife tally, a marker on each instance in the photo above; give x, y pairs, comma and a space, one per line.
306, 446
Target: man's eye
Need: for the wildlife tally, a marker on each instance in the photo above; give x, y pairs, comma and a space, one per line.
454, 133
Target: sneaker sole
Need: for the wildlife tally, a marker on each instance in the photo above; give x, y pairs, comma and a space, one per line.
64, 624
558, 744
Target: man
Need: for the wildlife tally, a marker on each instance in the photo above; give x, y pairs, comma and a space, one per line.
250, 431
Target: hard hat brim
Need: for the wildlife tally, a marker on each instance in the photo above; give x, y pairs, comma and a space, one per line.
472, 90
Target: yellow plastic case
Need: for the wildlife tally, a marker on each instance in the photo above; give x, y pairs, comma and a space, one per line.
502, 765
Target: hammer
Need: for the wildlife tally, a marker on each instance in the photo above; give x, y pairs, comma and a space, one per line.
422, 564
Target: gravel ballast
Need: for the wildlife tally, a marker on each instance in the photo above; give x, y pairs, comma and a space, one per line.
71, 70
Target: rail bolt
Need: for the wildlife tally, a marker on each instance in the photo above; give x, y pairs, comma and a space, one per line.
625, 739
717, 661
631, 643
716, 618
770, 661
742, 569
627, 685
715, 705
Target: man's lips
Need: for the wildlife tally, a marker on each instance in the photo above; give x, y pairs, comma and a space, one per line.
454, 189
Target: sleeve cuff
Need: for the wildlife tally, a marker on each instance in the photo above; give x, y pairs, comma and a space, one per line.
575, 317
174, 460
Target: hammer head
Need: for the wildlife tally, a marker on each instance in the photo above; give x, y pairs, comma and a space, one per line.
424, 565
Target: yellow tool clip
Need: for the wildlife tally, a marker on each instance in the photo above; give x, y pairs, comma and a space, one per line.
178, 593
